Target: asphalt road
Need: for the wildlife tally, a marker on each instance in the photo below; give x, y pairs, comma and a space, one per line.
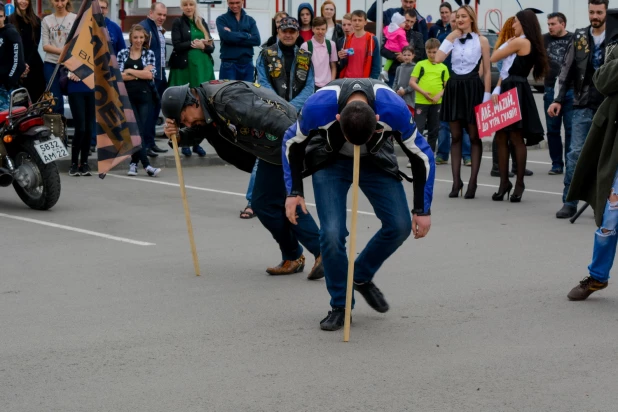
102, 312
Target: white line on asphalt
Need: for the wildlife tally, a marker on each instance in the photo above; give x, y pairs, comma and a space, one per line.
78, 230
527, 161
204, 189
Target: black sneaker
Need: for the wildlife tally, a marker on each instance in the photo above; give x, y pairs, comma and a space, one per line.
84, 170
73, 171
372, 295
334, 320
566, 212
496, 173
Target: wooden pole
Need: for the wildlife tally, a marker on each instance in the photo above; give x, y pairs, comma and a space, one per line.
185, 203
352, 251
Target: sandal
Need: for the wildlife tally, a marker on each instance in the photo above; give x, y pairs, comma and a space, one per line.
247, 213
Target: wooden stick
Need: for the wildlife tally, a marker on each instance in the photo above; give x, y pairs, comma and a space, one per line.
352, 251
185, 203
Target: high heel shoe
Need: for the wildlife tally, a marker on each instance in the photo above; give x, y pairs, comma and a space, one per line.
517, 198
499, 195
457, 191
471, 192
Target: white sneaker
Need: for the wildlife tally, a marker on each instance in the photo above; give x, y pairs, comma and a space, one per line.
132, 169
152, 171
409, 165
384, 75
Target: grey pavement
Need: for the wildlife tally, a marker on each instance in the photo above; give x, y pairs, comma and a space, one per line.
479, 319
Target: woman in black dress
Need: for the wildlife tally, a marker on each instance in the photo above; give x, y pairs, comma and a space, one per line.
520, 55
464, 91
29, 27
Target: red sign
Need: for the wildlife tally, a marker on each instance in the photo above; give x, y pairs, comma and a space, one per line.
491, 118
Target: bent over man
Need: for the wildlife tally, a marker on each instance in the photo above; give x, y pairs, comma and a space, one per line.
243, 121
361, 112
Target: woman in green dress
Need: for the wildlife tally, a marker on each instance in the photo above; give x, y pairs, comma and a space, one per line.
191, 61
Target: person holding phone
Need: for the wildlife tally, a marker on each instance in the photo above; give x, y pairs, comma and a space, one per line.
191, 61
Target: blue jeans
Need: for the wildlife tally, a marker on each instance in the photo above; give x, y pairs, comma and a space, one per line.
235, 71
48, 71
554, 125
582, 121
386, 195
251, 183
269, 197
605, 243
148, 136
5, 97
444, 142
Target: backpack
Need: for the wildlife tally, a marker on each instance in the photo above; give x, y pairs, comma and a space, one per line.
310, 46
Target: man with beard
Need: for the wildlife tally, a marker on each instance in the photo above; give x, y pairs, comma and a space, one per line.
583, 58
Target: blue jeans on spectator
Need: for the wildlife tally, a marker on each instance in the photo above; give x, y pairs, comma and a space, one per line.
605, 243
249, 195
148, 138
5, 97
582, 121
386, 195
235, 71
444, 142
269, 195
142, 107
48, 71
554, 125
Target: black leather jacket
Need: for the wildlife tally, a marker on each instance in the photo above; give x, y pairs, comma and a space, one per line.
577, 71
181, 39
244, 122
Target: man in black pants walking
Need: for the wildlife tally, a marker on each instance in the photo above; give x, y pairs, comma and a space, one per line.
244, 121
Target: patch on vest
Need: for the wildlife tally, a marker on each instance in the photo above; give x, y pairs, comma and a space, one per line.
271, 53
244, 131
271, 137
218, 81
303, 62
275, 67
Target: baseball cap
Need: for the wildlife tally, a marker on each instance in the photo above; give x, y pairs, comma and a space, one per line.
289, 23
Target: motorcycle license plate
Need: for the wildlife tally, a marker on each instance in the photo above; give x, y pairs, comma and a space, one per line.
51, 150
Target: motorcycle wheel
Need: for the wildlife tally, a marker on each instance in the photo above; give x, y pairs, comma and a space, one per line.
44, 190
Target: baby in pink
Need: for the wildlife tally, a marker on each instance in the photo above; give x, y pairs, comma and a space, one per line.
396, 40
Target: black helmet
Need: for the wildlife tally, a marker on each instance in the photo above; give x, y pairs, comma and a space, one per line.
175, 99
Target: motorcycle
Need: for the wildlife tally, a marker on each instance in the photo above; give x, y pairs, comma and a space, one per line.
28, 149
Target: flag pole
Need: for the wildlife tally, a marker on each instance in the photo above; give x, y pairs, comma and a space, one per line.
185, 203
352, 251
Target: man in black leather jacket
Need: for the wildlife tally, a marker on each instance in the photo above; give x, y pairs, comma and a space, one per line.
244, 121
584, 56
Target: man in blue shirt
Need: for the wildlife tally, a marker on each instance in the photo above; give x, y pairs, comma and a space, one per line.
420, 25
154, 26
114, 30
239, 35
368, 113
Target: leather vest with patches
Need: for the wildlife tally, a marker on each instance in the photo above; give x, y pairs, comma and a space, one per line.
584, 45
275, 68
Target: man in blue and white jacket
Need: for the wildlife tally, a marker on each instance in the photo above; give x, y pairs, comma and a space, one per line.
345, 113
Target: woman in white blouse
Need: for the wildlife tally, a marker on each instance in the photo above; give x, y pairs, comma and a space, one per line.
465, 90
55, 30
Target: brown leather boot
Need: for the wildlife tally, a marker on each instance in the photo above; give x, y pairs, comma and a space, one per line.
317, 272
585, 288
288, 267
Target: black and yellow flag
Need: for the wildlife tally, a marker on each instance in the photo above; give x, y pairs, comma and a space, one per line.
90, 56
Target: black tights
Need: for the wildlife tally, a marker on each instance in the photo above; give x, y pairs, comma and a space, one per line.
82, 108
476, 151
516, 139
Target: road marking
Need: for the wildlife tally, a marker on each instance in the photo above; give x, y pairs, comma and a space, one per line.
527, 161
78, 230
205, 189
